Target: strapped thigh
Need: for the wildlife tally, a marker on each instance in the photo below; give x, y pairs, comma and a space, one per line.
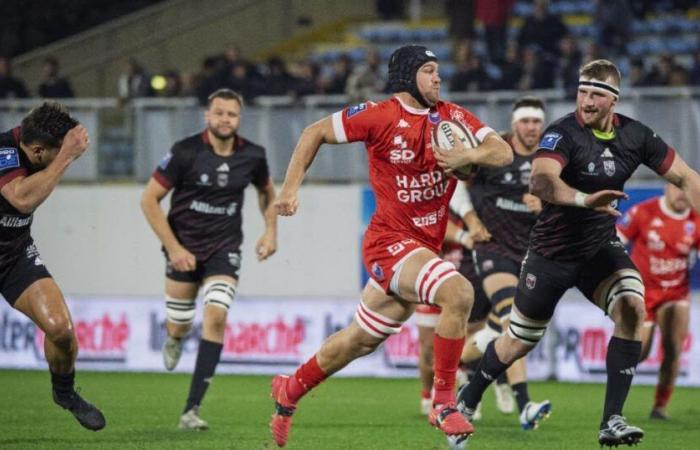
179, 311
430, 277
219, 293
526, 330
622, 282
376, 324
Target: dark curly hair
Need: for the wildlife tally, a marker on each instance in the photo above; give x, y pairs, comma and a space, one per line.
47, 125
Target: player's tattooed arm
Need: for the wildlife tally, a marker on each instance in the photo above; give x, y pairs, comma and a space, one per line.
267, 244
26, 193
686, 179
309, 142
546, 183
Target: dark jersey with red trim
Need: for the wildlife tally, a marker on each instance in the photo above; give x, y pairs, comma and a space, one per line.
206, 204
590, 164
14, 225
497, 196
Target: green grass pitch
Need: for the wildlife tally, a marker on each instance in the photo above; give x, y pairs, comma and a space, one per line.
142, 410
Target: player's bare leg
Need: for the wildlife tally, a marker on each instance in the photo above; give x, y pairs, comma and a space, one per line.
381, 315
44, 304
673, 321
427, 279
218, 292
425, 366
180, 311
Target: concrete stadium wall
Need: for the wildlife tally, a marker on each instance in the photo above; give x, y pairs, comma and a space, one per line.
95, 241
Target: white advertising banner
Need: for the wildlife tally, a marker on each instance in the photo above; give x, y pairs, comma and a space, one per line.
271, 335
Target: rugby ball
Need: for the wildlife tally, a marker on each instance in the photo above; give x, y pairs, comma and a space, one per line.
444, 135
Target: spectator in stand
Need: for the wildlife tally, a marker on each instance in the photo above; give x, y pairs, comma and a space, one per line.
568, 65
134, 82
494, 16
660, 74
638, 75
536, 75
306, 79
695, 69
591, 52
368, 81
613, 25
511, 68
390, 9
173, 84
337, 80
278, 80
460, 19
10, 86
678, 77
209, 79
543, 30
471, 76
242, 80
53, 85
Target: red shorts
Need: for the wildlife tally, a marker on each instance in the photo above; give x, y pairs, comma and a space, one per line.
655, 298
383, 253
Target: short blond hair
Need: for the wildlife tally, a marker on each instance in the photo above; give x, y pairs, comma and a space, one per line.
601, 70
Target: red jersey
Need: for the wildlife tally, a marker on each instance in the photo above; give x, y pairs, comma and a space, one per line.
412, 192
662, 245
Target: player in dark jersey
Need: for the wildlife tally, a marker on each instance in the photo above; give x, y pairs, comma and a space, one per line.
201, 236
33, 158
501, 198
579, 171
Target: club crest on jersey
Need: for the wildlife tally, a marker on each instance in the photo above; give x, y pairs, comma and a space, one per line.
377, 271
530, 281
609, 167
549, 141
458, 116
222, 179
163, 164
434, 117
204, 180
353, 110
9, 158
689, 228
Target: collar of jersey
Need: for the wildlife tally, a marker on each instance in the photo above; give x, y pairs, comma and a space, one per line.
604, 135
670, 213
412, 110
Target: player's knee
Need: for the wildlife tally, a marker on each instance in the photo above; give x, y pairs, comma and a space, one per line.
179, 311
219, 293
631, 311
458, 296
61, 334
512, 349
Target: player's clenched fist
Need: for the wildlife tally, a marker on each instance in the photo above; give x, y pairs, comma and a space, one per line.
286, 203
75, 142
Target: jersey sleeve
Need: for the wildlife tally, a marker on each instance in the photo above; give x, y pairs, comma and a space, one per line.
261, 173
475, 125
356, 123
656, 154
555, 144
628, 227
171, 168
10, 165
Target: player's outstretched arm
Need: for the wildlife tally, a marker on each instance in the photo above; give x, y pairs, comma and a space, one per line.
686, 179
181, 259
267, 244
546, 183
26, 193
309, 142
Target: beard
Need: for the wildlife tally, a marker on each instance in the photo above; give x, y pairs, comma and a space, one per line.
529, 141
220, 135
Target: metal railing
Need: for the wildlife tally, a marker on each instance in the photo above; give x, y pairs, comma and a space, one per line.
130, 139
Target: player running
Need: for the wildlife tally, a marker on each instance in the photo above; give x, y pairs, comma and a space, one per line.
579, 171
33, 158
663, 231
402, 241
202, 235
500, 196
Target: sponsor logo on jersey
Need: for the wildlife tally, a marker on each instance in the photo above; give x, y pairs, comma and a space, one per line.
507, 178
353, 110
15, 221
163, 164
429, 219
656, 222
377, 271
525, 171
206, 208
204, 180
511, 205
549, 141
9, 158
403, 124
607, 153
530, 281
609, 167
415, 189
403, 154
458, 115
223, 168
654, 241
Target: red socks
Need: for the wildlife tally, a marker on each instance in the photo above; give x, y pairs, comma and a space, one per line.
308, 376
663, 394
447, 353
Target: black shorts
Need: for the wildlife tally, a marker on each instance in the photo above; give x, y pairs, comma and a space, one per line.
21, 273
481, 307
544, 281
222, 262
488, 263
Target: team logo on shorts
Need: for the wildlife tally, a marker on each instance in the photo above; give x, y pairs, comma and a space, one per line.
609, 167
377, 271
234, 259
530, 281
487, 265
